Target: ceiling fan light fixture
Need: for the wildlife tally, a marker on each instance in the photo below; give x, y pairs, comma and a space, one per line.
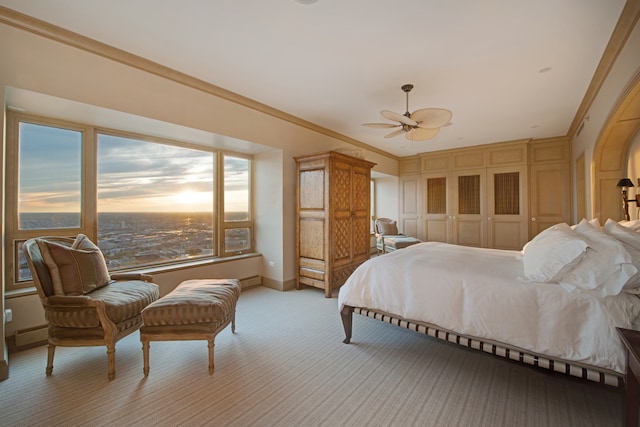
420, 125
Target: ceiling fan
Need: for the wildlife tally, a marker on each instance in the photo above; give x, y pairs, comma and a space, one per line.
417, 126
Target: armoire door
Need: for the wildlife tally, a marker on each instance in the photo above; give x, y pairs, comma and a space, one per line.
342, 207
361, 198
468, 207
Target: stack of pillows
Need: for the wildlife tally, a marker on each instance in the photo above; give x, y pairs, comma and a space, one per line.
601, 260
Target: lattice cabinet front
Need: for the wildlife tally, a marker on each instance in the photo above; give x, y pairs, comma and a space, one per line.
332, 225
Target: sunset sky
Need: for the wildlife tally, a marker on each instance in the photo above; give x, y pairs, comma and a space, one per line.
133, 176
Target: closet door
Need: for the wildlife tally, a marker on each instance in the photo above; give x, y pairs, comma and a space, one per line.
550, 196
507, 207
468, 202
437, 215
549, 184
410, 214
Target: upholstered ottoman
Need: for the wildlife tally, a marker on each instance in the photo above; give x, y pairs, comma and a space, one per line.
194, 310
393, 243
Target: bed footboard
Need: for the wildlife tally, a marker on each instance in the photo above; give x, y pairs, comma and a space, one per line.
575, 369
347, 322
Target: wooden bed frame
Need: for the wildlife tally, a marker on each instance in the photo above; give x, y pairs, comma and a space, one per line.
575, 369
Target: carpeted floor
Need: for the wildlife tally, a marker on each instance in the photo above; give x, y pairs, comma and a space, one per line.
287, 366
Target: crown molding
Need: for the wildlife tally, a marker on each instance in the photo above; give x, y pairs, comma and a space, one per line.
44, 29
626, 23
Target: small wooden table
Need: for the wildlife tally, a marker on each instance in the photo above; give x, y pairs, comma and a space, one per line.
631, 341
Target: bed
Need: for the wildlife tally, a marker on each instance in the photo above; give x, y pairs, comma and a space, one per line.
555, 304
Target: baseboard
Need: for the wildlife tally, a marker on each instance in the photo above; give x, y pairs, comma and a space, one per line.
30, 336
278, 285
250, 282
4, 365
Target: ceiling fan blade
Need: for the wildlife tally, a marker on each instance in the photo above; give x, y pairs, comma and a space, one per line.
380, 125
398, 118
420, 134
394, 133
431, 118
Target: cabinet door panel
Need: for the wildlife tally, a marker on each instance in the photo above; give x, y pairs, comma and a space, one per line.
438, 230
507, 207
468, 205
436, 217
410, 206
549, 196
469, 232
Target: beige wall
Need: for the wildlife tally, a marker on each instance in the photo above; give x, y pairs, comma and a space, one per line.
41, 65
624, 69
4, 368
633, 172
387, 201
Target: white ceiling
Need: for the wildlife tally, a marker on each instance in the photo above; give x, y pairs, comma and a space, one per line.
337, 63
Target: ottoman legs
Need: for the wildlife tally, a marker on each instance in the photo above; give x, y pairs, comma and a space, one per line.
210, 344
172, 335
196, 309
145, 353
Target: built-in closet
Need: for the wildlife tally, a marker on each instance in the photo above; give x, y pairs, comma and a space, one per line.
495, 195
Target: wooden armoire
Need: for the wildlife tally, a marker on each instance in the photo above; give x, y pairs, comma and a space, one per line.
332, 218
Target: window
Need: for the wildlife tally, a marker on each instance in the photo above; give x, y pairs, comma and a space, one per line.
155, 202
237, 209
145, 201
49, 185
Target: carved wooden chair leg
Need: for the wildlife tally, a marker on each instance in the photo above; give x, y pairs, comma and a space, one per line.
51, 353
210, 345
111, 357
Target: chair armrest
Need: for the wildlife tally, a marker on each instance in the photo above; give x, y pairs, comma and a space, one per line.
132, 276
66, 300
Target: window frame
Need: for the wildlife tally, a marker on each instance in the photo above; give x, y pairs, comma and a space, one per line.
223, 224
89, 193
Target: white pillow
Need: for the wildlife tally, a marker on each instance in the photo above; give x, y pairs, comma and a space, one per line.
553, 252
631, 242
606, 266
594, 221
634, 224
622, 233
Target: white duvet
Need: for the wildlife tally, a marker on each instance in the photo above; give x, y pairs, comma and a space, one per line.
480, 292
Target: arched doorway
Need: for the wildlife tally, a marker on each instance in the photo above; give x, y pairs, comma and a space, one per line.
611, 153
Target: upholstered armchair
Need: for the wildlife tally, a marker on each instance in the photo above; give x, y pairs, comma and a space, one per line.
85, 305
388, 239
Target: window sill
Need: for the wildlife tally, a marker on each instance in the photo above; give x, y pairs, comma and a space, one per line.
17, 293
188, 264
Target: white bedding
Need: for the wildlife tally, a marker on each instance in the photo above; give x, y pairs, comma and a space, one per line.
480, 292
